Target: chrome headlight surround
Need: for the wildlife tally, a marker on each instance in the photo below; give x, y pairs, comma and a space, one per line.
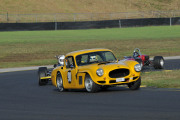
100, 72
137, 67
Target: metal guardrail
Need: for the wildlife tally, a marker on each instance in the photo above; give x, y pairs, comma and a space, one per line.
73, 17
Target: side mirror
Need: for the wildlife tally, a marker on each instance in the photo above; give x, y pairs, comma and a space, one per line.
55, 65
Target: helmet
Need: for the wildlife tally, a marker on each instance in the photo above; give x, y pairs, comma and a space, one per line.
93, 58
61, 59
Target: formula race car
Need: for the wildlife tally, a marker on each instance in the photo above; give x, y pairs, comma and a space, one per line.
43, 71
144, 60
93, 69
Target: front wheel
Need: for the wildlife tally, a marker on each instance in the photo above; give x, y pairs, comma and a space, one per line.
158, 62
42, 72
59, 82
90, 85
135, 85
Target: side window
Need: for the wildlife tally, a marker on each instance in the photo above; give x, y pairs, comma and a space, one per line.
69, 62
82, 59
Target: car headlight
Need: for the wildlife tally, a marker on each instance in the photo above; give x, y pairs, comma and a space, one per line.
100, 72
137, 67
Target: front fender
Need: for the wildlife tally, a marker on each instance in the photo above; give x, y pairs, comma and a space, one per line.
54, 75
131, 64
92, 74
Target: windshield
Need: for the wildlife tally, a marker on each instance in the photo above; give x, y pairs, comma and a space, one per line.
95, 57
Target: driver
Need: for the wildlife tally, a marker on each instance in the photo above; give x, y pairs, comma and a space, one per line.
135, 54
93, 59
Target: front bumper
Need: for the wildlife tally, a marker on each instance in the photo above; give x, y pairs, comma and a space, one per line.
114, 81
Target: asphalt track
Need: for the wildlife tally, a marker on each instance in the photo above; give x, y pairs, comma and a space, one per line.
22, 99
169, 65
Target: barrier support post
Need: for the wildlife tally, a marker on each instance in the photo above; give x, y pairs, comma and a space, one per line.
120, 24
170, 21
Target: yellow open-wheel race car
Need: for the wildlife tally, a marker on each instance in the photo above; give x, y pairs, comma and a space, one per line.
92, 69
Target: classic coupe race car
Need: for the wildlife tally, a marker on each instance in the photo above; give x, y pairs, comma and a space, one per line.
157, 62
93, 69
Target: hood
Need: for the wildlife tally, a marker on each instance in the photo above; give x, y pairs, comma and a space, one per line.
111, 66
105, 66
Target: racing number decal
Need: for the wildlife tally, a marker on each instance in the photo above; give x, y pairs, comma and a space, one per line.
69, 76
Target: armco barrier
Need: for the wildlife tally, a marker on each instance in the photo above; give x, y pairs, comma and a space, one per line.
90, 24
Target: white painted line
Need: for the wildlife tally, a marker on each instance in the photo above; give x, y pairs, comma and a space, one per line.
22, 68
169, 58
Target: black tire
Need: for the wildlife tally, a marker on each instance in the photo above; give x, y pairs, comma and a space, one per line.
90, 85
140, 62
135, 85
42, 72
59, 82
158, 62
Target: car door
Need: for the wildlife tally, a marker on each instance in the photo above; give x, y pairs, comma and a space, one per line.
70, 72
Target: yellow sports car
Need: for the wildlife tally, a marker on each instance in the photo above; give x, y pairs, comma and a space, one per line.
93, 69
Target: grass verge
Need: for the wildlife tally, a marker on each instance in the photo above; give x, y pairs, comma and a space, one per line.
29, 48
162, 79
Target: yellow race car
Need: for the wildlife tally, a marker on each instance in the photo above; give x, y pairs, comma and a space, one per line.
93, 69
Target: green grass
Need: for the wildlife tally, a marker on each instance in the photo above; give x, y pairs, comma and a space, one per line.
163, 32
162, 79
29, 48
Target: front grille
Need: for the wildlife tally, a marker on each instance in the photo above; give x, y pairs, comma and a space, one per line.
118, 73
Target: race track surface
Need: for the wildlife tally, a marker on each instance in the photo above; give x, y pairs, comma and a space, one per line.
168, 65
22, 99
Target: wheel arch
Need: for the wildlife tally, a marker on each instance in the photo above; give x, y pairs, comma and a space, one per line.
55, 81
87, 73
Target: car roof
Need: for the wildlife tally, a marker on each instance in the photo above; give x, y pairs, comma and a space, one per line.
75, 53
